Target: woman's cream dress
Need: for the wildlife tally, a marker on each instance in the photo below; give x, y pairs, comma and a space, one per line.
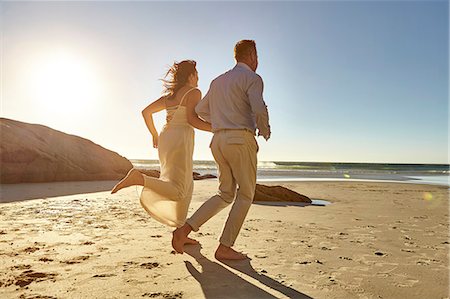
167, 199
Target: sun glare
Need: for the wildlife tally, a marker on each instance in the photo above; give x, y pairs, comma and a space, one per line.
64, 82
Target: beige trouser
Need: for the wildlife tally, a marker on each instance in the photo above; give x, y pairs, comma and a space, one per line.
235, 155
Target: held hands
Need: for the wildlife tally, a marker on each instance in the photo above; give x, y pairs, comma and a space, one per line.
155, 141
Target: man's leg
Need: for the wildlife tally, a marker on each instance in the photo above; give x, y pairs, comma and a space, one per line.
242, 160
227, 188
225, 196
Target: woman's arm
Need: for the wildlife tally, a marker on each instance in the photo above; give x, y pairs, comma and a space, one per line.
147, 113
193, 119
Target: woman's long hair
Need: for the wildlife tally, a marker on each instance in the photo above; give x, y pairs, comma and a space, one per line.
177, 76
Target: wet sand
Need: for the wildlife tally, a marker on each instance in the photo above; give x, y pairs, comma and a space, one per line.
375, 240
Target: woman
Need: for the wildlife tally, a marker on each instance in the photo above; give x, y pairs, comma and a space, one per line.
167, 199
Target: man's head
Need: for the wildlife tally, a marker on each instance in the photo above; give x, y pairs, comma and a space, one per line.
245, 52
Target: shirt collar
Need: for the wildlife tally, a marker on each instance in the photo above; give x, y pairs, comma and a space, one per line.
241, 64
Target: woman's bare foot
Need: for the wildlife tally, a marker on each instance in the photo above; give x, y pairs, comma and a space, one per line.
133, 177
190, 241
180, 237
227, 253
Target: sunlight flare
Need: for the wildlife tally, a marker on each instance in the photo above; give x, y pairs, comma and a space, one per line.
64, 82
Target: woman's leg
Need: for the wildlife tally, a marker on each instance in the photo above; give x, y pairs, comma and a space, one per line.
133, 177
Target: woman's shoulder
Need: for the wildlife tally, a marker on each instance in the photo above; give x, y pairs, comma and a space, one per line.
192, 96
195, 92
192, 92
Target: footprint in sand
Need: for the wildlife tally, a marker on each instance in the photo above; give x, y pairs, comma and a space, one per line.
21, 267
166, 295
87, 243
407, 284
76, 260
402, 281
149, 265
127, 265
31, 249
407, 250
203, 234
102, 226
35, 296
29, 276
346, 258
104, 275
308, 262
357, 241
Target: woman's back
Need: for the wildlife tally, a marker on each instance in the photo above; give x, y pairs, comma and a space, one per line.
176, 108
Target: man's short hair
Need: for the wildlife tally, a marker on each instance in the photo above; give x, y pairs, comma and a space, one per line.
244, 48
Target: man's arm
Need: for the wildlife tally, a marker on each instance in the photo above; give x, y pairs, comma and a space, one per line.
259, 108
202, 108
192, 100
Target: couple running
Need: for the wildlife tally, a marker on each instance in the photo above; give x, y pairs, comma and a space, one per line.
234, 110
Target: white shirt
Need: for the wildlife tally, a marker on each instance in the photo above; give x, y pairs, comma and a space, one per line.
235, 101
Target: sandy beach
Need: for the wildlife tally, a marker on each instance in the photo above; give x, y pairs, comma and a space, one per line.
375, 240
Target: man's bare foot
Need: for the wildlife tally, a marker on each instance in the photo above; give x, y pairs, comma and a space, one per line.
227, 253
180, 237
133, 177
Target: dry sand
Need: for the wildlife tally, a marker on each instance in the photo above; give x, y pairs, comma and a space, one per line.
375, 240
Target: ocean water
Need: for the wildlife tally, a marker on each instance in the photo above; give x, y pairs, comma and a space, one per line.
318, 171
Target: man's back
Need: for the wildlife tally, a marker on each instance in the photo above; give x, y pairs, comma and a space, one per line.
234, 101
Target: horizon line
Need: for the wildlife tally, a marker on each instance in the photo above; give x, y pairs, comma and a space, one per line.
275, 161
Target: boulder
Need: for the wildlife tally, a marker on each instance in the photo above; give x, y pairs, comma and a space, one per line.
196, 176
36, 153
262, 192
278, 193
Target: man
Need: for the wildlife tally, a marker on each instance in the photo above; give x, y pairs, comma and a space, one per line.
235, 108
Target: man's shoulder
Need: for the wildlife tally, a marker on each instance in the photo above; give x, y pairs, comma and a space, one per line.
243, 73
254, 78
220, 78
239, 74
248, 73
257, 77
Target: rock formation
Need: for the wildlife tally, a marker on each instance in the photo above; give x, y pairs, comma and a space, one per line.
195, 175
278, 193
36, 153
262, 193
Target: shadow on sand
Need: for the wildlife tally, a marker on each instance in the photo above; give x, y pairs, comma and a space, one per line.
219, 282
18, 192
315, 202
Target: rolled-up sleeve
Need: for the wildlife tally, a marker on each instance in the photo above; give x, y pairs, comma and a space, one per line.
202, 108
259, 107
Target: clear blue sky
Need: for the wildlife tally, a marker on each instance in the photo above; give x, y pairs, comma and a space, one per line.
345, 81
